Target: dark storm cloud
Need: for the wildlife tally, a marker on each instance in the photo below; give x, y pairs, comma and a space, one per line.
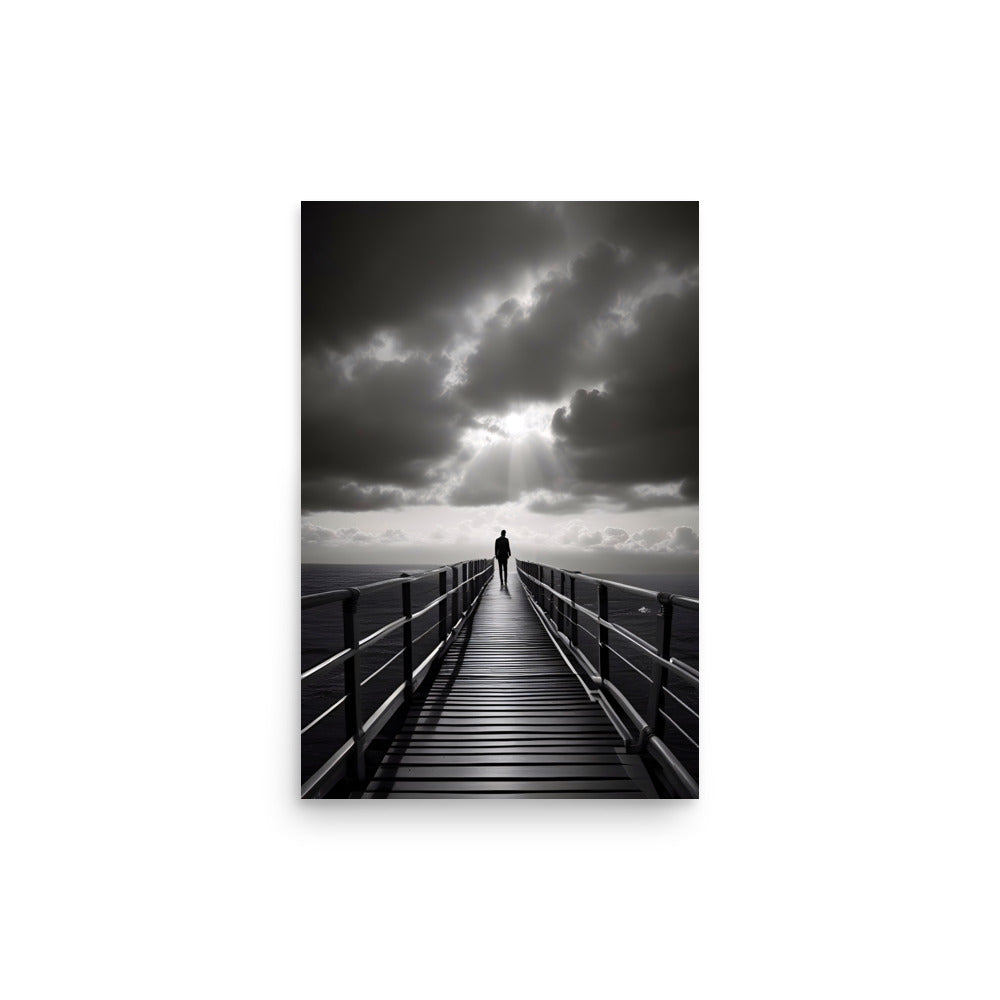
643, 428
387, 424
411, 265
539, 354
584, 496
640, 498
388, 288
665, 231
334, 493
556, 503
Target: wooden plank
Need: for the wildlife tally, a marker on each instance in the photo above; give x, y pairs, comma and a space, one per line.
495, 772
515, 785
506, 739
445, 719
418, 759
508, 795
516, 726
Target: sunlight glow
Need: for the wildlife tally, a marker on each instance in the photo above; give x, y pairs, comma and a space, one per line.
535, 418
531, 421
514, 424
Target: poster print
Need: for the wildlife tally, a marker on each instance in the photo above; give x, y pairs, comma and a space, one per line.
499, 500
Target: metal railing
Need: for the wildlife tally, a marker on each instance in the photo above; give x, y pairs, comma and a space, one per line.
468, 581
665, 715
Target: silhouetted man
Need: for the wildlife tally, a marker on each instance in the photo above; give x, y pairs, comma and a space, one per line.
501, 551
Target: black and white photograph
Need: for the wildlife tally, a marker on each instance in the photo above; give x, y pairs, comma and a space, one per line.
500, 500
503, 368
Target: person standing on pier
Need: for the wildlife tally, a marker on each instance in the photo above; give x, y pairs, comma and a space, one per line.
501, 552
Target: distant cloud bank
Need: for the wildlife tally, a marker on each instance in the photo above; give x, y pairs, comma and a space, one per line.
574, 536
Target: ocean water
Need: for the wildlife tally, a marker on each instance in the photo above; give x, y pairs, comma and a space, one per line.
322, 635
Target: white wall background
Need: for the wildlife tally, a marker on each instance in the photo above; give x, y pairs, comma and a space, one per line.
846, 163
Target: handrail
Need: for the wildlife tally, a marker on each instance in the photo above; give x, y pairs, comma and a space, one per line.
380, 633
561, 613
470, 579
684, 670
690, 602
332, 596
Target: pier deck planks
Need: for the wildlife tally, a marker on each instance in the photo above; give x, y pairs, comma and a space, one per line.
506, 717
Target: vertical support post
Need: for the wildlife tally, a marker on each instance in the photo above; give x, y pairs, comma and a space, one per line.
664, 624
664, 630
454, 597
443, 606
465, 587
352, 685
573, 612
562, 607
407, 643
602, 630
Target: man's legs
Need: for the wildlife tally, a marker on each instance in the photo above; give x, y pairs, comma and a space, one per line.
503, 571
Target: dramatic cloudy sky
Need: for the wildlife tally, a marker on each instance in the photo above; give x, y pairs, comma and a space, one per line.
471, 367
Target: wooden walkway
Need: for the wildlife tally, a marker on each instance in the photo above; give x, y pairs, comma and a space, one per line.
506, 717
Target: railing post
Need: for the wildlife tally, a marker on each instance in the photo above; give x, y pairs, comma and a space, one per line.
443, 606
664, 629
573, 612
454, 597
660, 675
562, 607
407, 642
465, 587
602, 630
352, 685
654, 724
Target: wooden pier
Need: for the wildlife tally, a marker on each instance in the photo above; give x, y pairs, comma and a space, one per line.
506, 715
507, 703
